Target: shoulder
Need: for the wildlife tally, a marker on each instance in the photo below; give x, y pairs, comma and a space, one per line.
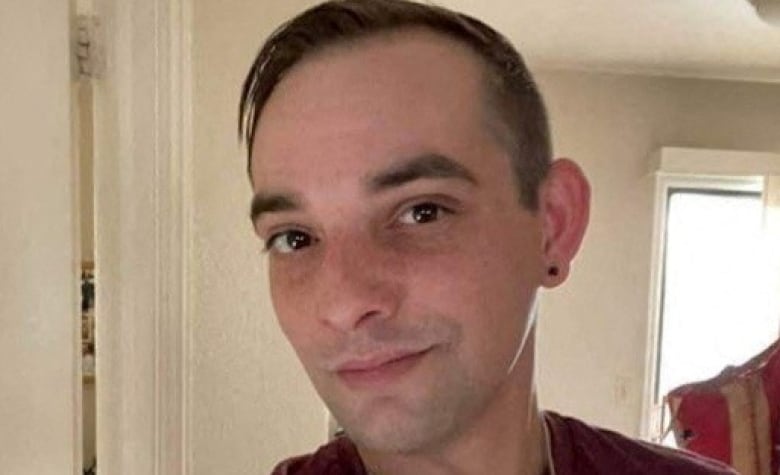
338, 457
582, 449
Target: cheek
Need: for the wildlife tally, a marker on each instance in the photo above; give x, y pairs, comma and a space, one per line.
290, 309
488, 269
487, 290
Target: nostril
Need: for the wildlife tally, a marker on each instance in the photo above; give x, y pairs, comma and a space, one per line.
348, 319
370, 315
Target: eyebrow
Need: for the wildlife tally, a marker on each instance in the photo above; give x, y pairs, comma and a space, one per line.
263, 203
429, 165
426, 166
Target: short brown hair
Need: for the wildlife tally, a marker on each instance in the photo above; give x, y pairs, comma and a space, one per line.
513, 92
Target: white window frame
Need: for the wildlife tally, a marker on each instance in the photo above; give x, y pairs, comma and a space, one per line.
688, 168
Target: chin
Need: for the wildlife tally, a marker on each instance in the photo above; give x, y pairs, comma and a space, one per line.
422, 415
395, 427
400, 436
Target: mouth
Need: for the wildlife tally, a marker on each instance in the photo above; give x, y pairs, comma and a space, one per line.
379, 370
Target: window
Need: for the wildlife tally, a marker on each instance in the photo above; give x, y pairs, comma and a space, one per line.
715, 282
716, 304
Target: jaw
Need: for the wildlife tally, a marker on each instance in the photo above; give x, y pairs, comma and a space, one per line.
506, 434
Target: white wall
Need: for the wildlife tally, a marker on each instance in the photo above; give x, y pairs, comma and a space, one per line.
252, 404
38, 246
593, 331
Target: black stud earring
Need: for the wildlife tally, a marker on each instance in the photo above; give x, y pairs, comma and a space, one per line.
553, 271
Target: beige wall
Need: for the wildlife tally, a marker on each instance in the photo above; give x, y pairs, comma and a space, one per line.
251, 401
593, 331
89, 436
83, 97
38, 249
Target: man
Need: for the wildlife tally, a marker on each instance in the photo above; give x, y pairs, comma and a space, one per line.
400, 159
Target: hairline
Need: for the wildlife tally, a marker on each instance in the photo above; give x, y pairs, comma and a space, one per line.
493, 114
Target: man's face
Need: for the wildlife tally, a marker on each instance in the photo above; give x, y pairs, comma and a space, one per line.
403, 268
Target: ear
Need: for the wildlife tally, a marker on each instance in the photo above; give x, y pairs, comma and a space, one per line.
564, 200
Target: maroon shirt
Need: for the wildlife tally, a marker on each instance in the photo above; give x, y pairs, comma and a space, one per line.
576, 449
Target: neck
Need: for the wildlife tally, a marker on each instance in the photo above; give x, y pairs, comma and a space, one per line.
508, 437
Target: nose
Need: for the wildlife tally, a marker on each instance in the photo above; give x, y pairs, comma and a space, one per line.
359, 283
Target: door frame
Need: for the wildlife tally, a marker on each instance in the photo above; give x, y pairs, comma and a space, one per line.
143, 210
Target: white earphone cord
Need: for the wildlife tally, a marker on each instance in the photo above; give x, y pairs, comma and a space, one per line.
529, 325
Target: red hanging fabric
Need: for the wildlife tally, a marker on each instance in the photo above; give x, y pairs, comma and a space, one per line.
734, 417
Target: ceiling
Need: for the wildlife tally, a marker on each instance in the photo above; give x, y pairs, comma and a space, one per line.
722, 39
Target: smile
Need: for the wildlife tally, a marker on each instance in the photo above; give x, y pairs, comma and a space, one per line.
379, 370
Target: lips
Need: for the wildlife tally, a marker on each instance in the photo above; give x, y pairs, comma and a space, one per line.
379, 369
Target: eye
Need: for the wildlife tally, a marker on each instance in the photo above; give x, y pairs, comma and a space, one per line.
422, 213
288, 242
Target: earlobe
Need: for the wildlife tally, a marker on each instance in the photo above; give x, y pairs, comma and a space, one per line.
565, 208
556, 275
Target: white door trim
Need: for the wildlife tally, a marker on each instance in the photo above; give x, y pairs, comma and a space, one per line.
143, 183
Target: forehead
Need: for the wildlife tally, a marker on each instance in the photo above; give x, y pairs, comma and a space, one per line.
393, 90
